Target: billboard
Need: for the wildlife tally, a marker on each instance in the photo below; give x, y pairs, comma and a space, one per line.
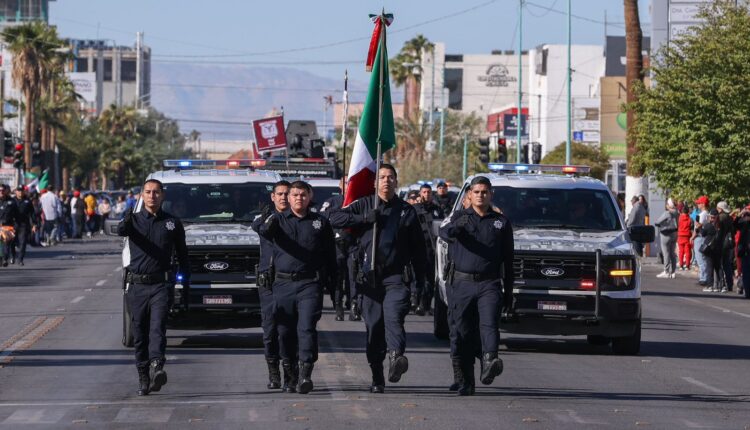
84, 84
269, 134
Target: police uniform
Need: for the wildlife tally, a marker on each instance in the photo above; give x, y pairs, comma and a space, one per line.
342, 291
427, 212
264, 278
24, 221
152, 240
385, 301
304, 257
444, 202
482, 253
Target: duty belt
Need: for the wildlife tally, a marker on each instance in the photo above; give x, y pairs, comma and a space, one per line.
149, 278
476, 277
297, 276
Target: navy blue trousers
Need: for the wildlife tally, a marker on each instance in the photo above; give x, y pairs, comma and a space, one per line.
268, 322
475, 305
299, 305
384, 309
149, 305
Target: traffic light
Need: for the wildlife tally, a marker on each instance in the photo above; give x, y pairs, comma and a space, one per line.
502, 150
7, 146
18, 156
536, 153
484, 150
36, 154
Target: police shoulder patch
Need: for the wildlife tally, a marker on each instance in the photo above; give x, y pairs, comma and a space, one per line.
324, 206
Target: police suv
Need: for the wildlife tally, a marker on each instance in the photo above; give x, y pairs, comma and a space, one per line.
576, 269
216, 201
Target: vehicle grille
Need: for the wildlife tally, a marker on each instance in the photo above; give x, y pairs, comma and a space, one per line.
573, 268
237, 261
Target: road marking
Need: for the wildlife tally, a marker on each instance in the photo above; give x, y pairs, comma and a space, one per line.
118, 269
102, 282
27, 337
705, 386
35, 416
146, 415
694, 425
90, 403
725, 310
77, 299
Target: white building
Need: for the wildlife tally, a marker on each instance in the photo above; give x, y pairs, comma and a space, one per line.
548, 94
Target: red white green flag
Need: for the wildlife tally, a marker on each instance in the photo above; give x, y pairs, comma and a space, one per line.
374, 114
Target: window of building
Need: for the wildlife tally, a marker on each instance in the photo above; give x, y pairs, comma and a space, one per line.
128, 70
454, 80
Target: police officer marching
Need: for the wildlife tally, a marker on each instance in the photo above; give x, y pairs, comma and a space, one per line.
153, 237
8, 217
427, 212
481, 247
264, 278
304, 257
385, 301
24, 225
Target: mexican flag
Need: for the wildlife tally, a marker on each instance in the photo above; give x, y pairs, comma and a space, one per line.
363, 163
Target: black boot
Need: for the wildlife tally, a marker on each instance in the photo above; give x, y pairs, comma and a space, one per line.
491, 367
339, 311
399, 366
290, 376
378, 379
274, 376
305, 378
143, 380
158, 375
458, 375
355, 314
467, 388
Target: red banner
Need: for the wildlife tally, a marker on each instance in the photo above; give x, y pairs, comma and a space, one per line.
269, 134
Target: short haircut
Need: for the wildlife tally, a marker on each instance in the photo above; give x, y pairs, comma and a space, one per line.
425, 186
480, 180
281, 183
301, 185
389, 167
154, 181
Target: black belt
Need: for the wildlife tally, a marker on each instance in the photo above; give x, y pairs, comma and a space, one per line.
476, 277
149, 278
297, 276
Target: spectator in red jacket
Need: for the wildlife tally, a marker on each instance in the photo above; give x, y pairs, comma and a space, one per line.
684, 231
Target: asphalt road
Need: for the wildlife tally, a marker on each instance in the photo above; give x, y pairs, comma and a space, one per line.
62, 366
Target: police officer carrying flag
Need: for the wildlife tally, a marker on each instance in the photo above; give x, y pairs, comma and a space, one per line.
304, 258
481, 245
264, 278
153, 237
385, 302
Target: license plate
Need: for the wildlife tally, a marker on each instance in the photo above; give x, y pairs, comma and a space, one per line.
552, 306
217, 300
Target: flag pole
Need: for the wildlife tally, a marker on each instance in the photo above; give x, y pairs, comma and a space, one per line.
343, 127
376, 198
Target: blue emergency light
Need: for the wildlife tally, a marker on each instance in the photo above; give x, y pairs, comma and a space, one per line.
545, 168
213, 164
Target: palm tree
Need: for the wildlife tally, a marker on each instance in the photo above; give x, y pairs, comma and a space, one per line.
633, 76
406, 70
119, 125
33, 46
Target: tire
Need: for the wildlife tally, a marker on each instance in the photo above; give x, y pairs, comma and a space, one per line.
594, 339
629, 345
440, 319
127, 325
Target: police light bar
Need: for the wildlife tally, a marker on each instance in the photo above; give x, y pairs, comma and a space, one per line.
546, 168
296, 160
213, 164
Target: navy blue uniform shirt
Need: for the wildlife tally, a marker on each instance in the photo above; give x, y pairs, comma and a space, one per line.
152, 239
483, 246
8, 210
400, 240
25, 214
266, 247
300, 244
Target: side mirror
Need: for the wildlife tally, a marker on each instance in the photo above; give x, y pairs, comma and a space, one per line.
642, 233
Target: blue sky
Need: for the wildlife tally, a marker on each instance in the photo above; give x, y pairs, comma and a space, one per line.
325, 37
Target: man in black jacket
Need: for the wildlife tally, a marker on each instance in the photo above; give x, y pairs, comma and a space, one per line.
24, 225
399, 242
8, 216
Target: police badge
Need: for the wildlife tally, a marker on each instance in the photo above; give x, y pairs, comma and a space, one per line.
498, 224
317, 224
170, 225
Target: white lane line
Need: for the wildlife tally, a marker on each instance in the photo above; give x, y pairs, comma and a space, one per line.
177, 402
704, 386
150, 415
35, 416
694, 425
77, 299
102, 282
719, 308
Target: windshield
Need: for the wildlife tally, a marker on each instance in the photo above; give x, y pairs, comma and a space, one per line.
575, 209
216, 202
321, 194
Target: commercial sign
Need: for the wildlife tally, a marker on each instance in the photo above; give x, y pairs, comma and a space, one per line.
497, 75
84, 84
510, 125
270, 134
8, 176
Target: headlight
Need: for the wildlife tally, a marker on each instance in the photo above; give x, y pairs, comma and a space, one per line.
621, 272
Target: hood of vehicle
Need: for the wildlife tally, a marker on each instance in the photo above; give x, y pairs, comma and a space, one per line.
610, 242
220, 234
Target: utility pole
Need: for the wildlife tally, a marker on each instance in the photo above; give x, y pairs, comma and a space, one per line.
520, 81
138, 68
570, 125
432, 98
442, 120
466, 154
117, 74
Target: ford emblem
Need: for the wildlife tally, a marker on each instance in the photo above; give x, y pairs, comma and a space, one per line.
216, 266
552, 271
